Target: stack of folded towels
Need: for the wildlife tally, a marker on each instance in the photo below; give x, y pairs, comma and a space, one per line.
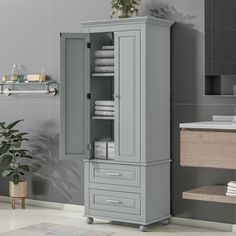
105, 108
104, 60
231, 189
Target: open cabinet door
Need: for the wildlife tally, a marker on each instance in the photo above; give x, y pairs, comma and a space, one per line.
74, 100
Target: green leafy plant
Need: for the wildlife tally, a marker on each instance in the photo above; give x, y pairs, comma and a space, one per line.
11, 152
126, 7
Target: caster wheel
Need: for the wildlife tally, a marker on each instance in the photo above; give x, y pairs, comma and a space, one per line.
143, 228
165, 222
90, 220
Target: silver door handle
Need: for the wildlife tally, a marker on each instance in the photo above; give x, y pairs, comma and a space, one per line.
113, 174
113, 201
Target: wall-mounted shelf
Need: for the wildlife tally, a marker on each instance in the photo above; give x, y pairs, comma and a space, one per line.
49, 89
210, 194
109, 75
102, 117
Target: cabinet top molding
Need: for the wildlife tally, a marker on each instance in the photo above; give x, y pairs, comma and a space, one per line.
218, 122
131, 20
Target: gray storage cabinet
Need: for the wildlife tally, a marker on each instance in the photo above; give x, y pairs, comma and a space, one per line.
135, 186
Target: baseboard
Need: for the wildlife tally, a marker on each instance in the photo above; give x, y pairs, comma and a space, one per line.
173, 220
50, 205
204, 224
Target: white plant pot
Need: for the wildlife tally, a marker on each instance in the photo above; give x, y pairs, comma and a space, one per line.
18, 190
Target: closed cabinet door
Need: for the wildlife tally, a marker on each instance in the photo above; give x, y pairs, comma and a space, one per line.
127, 96
74, 105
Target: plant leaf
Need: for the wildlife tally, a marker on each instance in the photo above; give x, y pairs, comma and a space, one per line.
17, 144
16, 179
10, 126
5, 148
2, 124
6, 161
21, 134
25, 168
6, 173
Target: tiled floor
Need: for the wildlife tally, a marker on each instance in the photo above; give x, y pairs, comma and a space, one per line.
14, 219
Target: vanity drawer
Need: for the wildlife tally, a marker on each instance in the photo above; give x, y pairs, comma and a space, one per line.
216, 149
115, 201
115, 174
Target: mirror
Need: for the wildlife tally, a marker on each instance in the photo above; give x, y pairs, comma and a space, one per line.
220, 47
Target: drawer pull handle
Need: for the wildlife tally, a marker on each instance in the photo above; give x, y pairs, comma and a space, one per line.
113, 201
113, 174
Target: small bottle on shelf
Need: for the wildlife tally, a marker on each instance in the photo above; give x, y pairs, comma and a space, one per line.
14, 73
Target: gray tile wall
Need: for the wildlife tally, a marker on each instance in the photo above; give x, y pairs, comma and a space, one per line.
29, 32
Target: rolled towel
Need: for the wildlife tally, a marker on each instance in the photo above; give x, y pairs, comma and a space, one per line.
232, 184
104, 108
105, 103
104, 53
104, 69
104, 61
104, 113
108, 47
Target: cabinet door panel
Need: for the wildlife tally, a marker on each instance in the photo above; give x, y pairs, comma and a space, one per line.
74, 85
127, 96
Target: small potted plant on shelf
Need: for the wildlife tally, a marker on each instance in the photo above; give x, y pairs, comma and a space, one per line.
125, 8
13, 160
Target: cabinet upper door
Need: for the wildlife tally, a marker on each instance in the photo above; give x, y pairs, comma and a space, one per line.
74, 105
127, 96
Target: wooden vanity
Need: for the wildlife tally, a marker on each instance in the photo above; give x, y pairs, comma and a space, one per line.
210, 144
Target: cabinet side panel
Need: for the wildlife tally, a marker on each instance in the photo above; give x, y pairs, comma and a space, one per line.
158, 93
158, 192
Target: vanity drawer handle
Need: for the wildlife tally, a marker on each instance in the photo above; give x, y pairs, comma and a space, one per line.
113, 174
113, 201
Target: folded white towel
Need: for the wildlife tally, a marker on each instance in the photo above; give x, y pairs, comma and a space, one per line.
104, 69
104, 61
108, 47
104, 113
104, 53
232, 184
104, 103
231, 194
104, 108
231, 189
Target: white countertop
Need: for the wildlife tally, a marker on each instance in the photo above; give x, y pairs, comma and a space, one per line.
218, 122
209, 125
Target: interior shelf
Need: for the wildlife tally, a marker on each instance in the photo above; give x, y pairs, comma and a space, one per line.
103, 75
102, 117
210, 194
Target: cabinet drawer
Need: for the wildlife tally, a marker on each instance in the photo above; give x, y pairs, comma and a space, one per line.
115, 174
216, 149
115, 201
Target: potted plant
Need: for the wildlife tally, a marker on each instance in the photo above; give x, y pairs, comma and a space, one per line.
13, 159
124, 8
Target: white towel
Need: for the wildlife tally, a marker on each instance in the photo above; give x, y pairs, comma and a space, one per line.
231, 194
104, 113
104, 69
104, 108
232, 184
104, 61
231, 189
104, 53
108, 47
104, 103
